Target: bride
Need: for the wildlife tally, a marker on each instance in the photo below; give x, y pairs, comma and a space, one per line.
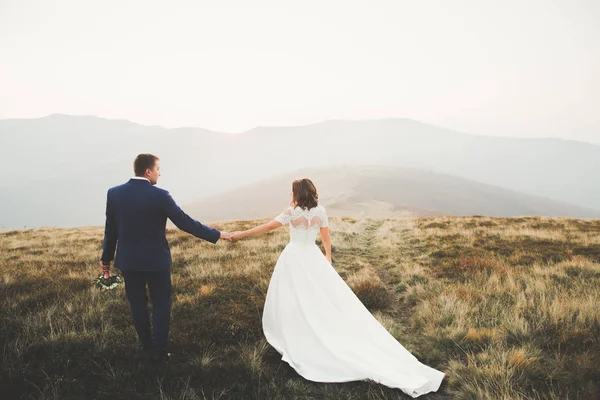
314, 320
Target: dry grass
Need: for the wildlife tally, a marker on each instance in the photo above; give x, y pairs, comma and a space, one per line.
369, 288
506, 307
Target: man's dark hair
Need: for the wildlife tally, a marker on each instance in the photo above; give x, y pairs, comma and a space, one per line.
143, 162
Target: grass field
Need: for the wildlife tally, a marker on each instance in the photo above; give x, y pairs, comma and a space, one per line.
507, 307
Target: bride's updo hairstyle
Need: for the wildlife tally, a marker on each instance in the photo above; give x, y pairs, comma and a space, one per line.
304, 194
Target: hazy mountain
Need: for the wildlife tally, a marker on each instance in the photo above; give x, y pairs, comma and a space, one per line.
380, 192
59, 167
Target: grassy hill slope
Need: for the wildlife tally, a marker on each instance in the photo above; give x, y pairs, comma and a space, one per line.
507, 307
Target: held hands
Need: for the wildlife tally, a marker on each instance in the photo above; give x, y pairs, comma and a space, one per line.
226, 236
232, 236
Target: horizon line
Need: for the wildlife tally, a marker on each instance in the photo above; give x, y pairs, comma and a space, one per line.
295, 126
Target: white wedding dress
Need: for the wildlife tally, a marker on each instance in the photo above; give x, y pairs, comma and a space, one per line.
319, 326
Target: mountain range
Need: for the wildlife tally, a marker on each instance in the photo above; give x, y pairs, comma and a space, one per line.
60, 167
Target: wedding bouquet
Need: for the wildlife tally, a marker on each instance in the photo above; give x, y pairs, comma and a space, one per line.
107, 282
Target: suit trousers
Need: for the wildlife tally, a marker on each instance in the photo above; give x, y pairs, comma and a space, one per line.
159, 286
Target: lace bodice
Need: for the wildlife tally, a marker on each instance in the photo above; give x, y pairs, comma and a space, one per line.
304, 224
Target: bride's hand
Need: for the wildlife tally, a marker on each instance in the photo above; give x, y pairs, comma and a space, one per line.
235, 236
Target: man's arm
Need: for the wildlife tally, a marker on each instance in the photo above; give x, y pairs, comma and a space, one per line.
109, 245
190, 225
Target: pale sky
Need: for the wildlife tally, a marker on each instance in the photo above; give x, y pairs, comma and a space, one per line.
523, 68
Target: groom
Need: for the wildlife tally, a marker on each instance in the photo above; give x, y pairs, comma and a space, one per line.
136, 217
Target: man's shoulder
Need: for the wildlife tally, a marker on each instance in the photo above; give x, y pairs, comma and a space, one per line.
116, 188
160, 191
127, 187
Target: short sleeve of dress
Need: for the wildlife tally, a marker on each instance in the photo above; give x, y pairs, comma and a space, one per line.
285, 217
324, 219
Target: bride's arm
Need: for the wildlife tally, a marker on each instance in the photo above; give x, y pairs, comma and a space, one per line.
326, 238
269, 226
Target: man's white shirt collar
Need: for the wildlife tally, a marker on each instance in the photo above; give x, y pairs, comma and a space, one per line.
141, 177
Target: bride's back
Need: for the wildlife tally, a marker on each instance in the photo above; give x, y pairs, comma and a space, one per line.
304, 223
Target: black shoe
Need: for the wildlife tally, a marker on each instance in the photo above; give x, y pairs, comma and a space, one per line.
143, 353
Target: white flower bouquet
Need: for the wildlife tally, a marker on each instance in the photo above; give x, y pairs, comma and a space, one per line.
107, 282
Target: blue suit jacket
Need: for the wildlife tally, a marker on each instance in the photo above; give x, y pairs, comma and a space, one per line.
136, 218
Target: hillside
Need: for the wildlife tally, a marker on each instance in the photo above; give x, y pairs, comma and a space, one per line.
507, 307
79, 157
381, 192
